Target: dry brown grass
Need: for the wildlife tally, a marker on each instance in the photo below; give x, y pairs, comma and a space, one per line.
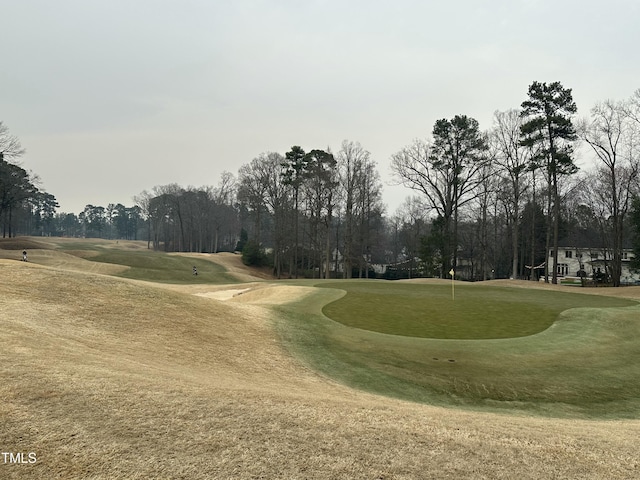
105, 378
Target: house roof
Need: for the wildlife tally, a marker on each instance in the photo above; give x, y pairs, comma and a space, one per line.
589, 239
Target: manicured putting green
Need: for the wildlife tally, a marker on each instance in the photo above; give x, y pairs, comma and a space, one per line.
432, 311
552, 353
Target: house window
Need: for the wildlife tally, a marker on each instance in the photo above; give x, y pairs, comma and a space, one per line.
551, 253
562, 269
594, 256
624, 256
568, 254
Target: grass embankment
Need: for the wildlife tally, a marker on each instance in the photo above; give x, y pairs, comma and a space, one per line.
160, 267
105, 378
126, 259
154, 266
586, 363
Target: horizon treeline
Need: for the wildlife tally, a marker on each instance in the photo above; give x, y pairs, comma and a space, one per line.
486, 203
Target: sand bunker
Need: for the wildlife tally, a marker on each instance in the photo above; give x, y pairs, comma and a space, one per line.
264, 294
222, 294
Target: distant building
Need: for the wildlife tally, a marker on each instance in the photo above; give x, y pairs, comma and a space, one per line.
592, 262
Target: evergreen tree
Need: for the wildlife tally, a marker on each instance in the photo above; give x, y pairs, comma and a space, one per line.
548, 127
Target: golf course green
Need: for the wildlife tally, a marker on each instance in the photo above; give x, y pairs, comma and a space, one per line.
435, 311
534, 351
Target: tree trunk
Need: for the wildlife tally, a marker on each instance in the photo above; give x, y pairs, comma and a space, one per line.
556, 225
514, 235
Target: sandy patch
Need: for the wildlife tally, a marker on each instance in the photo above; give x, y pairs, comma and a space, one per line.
274, 295
256, 294
222, 294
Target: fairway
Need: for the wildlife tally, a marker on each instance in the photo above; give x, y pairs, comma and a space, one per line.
149, 265
476, 312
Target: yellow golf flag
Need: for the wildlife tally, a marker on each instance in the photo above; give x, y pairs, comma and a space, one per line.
453, 291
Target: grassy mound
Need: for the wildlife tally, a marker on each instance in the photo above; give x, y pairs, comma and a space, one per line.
126, 259
160, 267
20, 243
106, 378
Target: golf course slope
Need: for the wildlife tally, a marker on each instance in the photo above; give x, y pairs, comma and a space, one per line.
105, 377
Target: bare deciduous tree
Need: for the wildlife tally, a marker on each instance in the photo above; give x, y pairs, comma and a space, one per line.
10, 147
353, 164
447, 172
514, 160
613, 135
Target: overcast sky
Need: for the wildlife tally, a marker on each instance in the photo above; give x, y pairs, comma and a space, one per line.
112, 97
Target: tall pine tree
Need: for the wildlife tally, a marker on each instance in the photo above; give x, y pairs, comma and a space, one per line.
549, 128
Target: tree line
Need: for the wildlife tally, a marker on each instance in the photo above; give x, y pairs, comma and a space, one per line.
23, 206
487, 204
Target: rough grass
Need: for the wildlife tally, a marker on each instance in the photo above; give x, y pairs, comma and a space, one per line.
105, 378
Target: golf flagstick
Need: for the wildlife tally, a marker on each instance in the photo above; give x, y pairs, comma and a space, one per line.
453, 288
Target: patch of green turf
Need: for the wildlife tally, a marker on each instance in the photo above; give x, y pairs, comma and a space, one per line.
164, 268
431, 311
585, 364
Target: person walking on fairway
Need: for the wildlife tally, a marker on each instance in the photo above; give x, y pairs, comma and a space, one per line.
195, 270
24, 255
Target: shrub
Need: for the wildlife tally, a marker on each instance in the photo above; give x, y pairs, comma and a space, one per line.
253, 255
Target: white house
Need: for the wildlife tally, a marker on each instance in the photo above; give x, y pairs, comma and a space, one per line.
587, 261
